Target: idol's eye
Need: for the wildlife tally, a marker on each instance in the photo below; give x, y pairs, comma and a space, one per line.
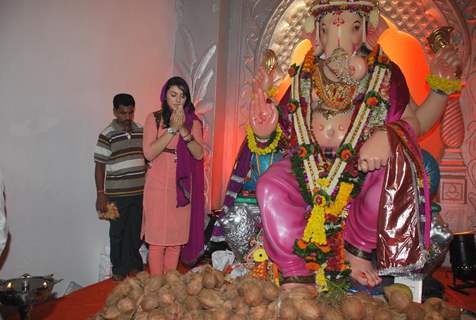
356, 26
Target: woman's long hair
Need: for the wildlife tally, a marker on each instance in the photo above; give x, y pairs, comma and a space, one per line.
166, 110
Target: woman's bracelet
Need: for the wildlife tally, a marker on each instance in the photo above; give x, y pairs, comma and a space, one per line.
443, 86
189, 140
99, 191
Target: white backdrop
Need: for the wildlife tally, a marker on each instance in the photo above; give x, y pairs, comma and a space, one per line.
61, 62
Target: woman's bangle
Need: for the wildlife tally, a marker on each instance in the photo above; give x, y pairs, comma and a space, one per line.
187, 137
99, 191
190, 140
443, 86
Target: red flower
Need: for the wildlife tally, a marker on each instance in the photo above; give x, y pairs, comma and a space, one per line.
292, 107
331, 218
318, 199
302, 152
292, 71
313, 266
346, 154
301, 244
372, 101
351, 168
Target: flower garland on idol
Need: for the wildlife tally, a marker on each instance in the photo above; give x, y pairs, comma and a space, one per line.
329, 187
253, 145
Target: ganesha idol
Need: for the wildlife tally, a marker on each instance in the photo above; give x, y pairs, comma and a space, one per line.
348, 198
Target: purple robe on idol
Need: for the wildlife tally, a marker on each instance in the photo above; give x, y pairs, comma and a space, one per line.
372, 212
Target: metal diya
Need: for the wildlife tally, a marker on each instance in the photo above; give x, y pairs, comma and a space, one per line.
26, 291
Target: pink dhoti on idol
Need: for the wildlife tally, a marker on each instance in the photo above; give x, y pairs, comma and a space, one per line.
385, 216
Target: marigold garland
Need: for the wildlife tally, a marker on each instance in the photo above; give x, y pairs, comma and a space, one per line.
321, 280
315, 230
342, 199
253, 146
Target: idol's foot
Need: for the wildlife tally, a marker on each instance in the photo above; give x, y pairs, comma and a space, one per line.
362, 270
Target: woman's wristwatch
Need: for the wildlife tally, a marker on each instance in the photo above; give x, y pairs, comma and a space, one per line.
171, 130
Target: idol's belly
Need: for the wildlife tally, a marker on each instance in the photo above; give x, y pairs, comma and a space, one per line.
330, 132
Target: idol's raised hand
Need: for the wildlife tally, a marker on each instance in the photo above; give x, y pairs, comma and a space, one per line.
263, 113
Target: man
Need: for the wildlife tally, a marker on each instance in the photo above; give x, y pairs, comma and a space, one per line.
120, 173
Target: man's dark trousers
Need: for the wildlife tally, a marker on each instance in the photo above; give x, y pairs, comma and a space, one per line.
124, 235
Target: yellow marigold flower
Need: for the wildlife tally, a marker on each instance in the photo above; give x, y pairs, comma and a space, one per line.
321, 280
323, 182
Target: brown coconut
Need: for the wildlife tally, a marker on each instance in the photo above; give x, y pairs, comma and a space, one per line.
154, 283
287, 310
150, 302
433, 315
172, 277
353, 308
220, 314
179, 290
219, 278
209, 280
331, 313
193, 315
309, 310
195, 285
253, 295
143, 276
165, 297
192, 303
229, 291
156, 314
383, 314
450, 312
258, 312
399, 300
210, 299
141, 315
270, 291
415, 311
111, 312
134, 283
125, 305
433, 304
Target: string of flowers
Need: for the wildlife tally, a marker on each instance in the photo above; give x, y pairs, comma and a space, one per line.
328, 191
253, 145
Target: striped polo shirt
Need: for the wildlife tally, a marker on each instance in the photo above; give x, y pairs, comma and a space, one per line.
121, 152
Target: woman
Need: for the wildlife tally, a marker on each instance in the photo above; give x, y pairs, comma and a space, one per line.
173, 193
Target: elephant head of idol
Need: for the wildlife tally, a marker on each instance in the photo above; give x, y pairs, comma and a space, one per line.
341, 35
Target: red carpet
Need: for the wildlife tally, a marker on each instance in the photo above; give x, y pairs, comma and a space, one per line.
84, 303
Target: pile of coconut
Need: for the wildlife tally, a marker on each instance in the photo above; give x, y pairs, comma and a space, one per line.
206, 295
